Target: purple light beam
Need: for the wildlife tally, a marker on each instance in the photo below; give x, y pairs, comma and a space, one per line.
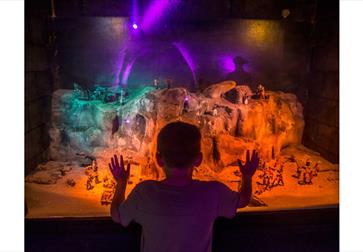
187, 57
126, 73
153, 13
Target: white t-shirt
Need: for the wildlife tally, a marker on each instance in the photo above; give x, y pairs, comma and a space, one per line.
178, 219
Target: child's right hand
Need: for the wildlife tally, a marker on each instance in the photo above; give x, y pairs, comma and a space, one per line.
118, 169
251, 164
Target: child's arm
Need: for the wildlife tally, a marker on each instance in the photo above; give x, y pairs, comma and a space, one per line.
247, 170
121, 176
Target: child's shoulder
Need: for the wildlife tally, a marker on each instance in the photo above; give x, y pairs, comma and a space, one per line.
210, 184
145, 184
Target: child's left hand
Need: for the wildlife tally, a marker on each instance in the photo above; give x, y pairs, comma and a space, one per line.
118, 169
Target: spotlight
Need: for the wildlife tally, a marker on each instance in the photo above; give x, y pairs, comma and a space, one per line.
134, 26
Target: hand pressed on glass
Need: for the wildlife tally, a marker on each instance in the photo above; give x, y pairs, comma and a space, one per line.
248, 169
118, 170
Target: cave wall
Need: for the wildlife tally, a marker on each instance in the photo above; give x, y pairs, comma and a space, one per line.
38, 85
322, 107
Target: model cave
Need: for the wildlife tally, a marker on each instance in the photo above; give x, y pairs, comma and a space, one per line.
90, 126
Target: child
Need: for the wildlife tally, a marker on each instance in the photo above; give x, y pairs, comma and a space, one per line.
177, 214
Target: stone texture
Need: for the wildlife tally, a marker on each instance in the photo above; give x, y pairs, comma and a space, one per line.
217, 90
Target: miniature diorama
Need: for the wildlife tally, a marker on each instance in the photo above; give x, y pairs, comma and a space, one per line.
104, 77
88, 126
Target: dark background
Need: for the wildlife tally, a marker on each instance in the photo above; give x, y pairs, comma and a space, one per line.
90, 42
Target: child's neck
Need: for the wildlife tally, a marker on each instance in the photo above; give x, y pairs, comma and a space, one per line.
178, 177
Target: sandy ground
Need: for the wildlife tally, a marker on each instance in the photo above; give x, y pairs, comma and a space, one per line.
62, 200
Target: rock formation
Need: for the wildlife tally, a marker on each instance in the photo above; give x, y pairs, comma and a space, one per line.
228, 127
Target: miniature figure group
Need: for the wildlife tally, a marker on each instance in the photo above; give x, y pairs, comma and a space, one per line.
270, 177
92, 173
93, 179
108, 192
306, 173
157, 84
260, 94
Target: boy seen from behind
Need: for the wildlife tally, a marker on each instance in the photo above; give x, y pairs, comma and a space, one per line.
178, 213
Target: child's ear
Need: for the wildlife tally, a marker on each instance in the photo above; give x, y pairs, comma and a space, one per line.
159, 159
198, 159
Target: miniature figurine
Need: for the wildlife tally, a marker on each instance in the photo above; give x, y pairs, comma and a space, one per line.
215, 112
88, 170
281, 168
305, 173
121, 96
97, 181
77, 91
109, 183
306, 177
63, 172
95, 165
245, 98
169, 82
316, 169
89, 184
299, 171
186, 104
291, 159
260, 188
64, 137
264, 167
156, 83
279, 179
260, 92
71, 182
267, 180
106, 197
237, 173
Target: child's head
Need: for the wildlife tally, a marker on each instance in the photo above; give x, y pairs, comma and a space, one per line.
178, 145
